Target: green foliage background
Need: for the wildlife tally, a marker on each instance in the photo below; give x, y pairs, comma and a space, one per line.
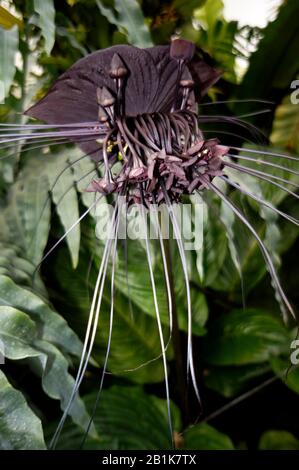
43, 315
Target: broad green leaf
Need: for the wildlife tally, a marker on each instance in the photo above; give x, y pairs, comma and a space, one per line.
54, 328
278, 440
29, 203
200, 209
229, 381
27, 213
209, 13
254, 186
251, 260
57, 383
15, 267
45, 20
116, 421
205, 437
65, 198
81, 167
217, 36
187, 8
246, 336
9, 44
129, 19
36, 216
270, 192
288, 373
20, 429
132, 279
286, 125
19, 339
135, 341
68, 33
19, 269
253, 267
263, 77
30, 210
214, 245
228, 219
17, 334
7, 19
139, 286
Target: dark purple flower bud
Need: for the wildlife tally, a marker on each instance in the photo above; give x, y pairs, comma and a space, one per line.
117, 67
181, 49
187, 83
105, 98
186, 79
103, 117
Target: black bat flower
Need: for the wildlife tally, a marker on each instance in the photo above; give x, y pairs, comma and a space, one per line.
145, 104
135, 111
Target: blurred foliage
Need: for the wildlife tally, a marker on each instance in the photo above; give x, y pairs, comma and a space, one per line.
43, 312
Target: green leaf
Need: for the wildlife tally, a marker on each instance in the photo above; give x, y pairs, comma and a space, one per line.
28, 213
245, 337
278, 440
17, 333
187, 8
135, 340
9, 46
205, 437
7, 19
45, 20
19, 269
139, 286
65, 197
259, 189
264, 76
227, 217
277, 233
19, 339
200, 209
54, 328
288, 373
209, 13
120, 408
229, 381
57, 383
129, 19
36, 215
218, 36
286, 125
214, 245
20, 429
81, 167
270, 193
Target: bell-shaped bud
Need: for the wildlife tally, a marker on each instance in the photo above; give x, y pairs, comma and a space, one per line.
102, 115
180, 49
186, 79
117, 67
105, 98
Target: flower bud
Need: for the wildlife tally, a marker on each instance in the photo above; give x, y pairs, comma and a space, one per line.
117, 67
181, 49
